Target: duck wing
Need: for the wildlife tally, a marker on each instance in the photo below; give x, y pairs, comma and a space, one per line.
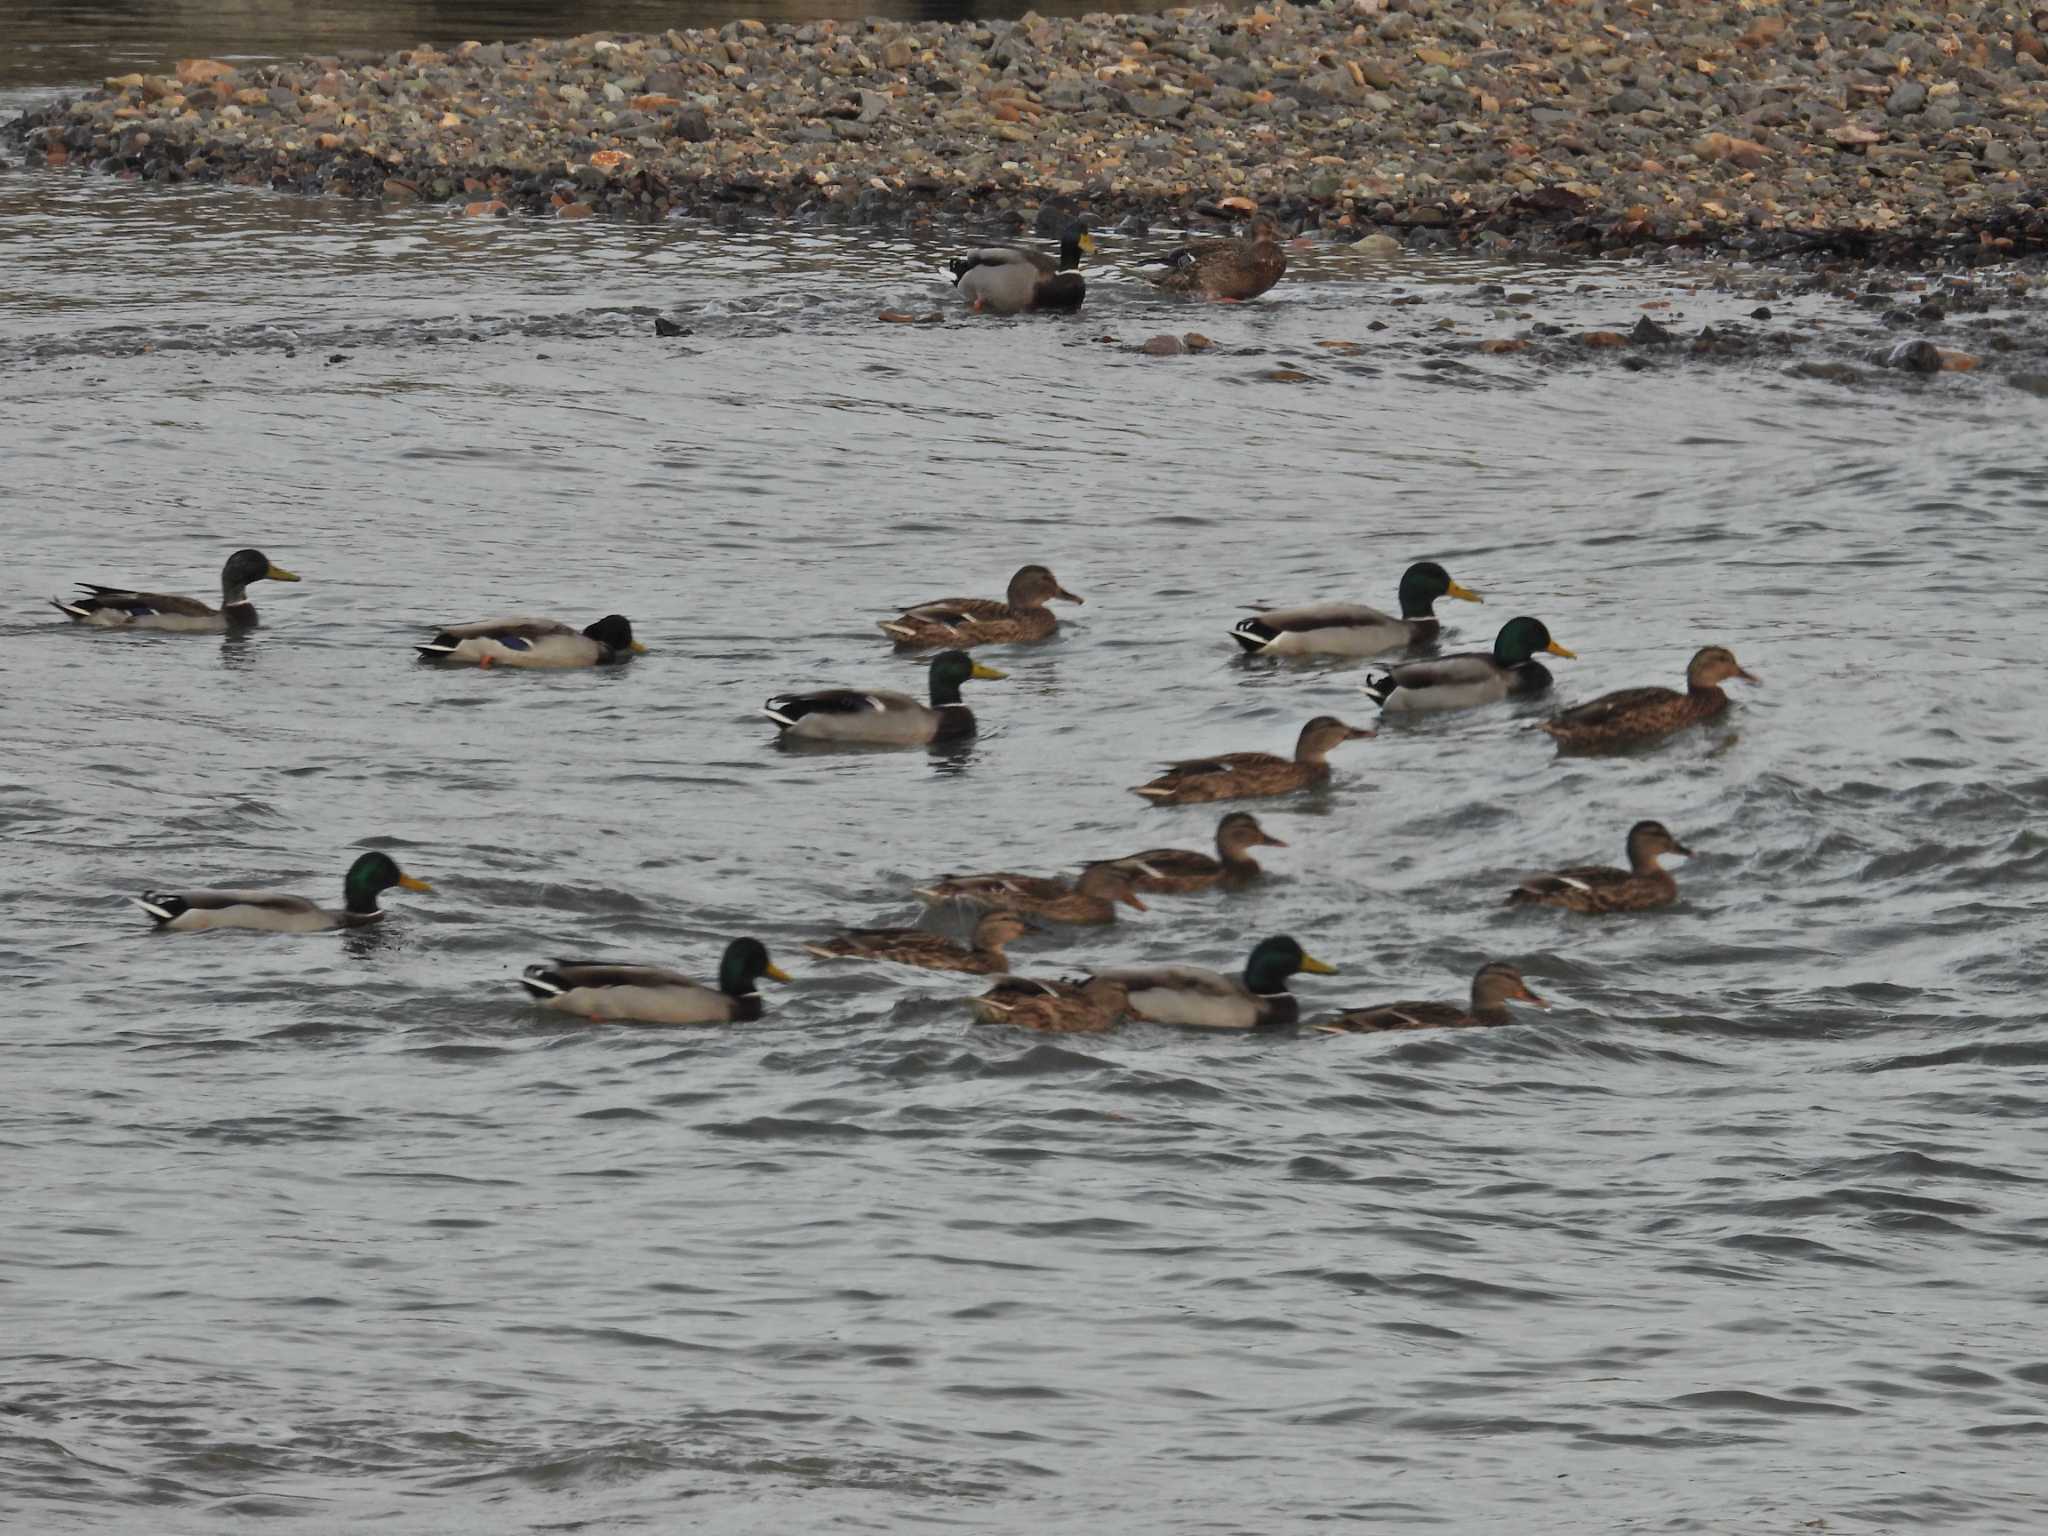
1614, 706
154, 602
1394, 1016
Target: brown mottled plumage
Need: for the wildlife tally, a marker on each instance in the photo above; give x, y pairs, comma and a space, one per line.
1598, 888
913, 946
1231, 270
1182, 870
1493, 988
1248, 775
1056, 1007
1091, 899
1643, 714
962, 621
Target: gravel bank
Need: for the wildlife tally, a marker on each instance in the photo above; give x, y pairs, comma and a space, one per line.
1887, 132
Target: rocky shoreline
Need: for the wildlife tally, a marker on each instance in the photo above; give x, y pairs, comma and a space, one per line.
1880, 133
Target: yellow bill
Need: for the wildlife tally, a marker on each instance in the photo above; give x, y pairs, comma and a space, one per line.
988, 673
279, 573
1465, 592
775, 972
1557, 650
1316, 967
409, 882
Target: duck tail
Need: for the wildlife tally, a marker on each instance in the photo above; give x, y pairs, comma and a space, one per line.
160, 905
70, 611
443, 644
543, 982
785, 709
1382, 687
1254, 635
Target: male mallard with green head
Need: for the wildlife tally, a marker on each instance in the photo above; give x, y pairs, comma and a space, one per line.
1493, 988
1636, 715
1199, 998
602, 991
969, 621
1183, 870
546, 643
882, 717
276, 912
1646, 883
119, 608
1249, 775
1353, 629
1009, 279
983, 956
1509, 671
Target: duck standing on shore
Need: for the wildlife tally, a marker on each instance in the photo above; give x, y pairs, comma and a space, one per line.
1010, 279
1229, 270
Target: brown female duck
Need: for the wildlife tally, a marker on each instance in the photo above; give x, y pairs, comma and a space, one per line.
1231, 270
982, 956
1056, 1007
1643, 714
1021, 615
1248, 775
1091, 899
1493, 988
1182, 870
1646, 883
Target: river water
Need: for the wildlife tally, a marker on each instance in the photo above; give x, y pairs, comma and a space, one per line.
1746, 1235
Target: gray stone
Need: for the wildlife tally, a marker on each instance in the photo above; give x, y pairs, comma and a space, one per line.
1907, 96
1158, 109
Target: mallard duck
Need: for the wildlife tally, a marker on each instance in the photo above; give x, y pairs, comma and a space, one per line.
1493, 988
1056, 1007
119, 608
1231, 270
1646, 883
964, 621
1204, 999
1009, 279
1509, 671
1246, 775
880, 717
535, 643
275, 912
1183, 870
1093, 898
1643, 714
1352, 629
647, 994
913, 946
